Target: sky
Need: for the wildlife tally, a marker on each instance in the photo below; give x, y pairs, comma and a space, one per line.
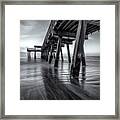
32, 32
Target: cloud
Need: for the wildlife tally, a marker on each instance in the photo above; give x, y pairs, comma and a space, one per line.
33, 29
32, 32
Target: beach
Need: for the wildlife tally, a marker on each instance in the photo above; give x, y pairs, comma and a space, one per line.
39, 80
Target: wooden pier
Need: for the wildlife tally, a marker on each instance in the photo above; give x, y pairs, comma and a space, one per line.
48, 78
62, 33
34, 50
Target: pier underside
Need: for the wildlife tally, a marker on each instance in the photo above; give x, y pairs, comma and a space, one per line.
62, 33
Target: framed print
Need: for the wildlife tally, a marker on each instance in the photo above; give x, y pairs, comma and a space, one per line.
60, 60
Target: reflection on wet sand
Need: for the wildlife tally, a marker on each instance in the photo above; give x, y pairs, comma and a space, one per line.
41, 81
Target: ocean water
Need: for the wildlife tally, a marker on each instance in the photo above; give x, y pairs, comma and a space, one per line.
41, 81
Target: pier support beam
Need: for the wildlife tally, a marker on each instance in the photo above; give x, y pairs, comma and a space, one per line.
35, 54
61, 55
29, 56
46, 55
42, 55
50, 55
58, 51
83, 59
78, 54
68, 51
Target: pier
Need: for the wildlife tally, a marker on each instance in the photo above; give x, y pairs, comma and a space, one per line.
34, 50
62, 33
53, 77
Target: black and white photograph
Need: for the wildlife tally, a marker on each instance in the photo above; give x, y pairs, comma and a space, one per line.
58, 56
59, 59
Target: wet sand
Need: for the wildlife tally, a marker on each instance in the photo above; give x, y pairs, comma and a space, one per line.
41, 81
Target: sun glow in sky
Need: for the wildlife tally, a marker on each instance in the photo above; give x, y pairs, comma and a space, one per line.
32, 32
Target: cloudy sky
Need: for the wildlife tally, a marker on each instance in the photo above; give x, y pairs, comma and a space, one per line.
32, 32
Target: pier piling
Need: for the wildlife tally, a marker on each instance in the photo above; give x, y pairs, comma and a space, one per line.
61, 55
68, 51
79, 48
50, 57
58, 51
